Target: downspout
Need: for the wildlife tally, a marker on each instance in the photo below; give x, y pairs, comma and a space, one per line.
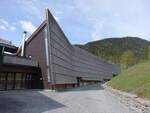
48, 51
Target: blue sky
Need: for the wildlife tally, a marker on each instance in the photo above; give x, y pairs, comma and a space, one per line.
81, 20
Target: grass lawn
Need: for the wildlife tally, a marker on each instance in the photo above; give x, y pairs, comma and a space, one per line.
135, 79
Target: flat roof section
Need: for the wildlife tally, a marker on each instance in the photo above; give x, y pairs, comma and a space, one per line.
9, 48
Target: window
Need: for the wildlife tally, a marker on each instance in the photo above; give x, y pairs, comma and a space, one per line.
2, 81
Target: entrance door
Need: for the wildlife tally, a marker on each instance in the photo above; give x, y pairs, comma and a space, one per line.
28, 81
78, 81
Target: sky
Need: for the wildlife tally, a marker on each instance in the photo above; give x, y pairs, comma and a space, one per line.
81, 20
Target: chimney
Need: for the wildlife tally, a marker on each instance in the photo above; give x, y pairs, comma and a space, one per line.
23, 43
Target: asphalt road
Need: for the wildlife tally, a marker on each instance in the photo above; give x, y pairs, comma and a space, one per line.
89, 99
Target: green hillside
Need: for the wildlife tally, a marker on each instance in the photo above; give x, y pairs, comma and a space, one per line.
135, 79
125, 51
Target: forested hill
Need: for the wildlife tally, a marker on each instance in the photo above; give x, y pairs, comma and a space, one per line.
125, 51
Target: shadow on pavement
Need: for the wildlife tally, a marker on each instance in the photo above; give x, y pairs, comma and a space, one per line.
26, 102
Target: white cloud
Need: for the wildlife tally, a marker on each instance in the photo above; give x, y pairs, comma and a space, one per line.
4, 25
59, 12
12, 28
121, 18
36, 8
32, 7
28, 26
4, 22
96, 33
100, 18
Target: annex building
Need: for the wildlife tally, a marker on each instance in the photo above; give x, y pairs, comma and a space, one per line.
48, 60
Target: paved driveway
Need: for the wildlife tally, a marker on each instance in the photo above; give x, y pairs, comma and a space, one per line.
89, 99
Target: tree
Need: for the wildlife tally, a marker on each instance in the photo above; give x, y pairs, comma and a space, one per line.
127, 59
148, 52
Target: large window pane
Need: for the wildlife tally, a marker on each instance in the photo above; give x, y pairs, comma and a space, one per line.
2, 81
10, 81
18, 82
23, 80
28, 81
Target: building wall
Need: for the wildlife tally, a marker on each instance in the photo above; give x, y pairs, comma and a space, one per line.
60, 62
69, 62
89, 67
61, 52
36, 49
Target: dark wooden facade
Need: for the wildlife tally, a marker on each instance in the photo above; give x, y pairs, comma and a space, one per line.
35, 48
60, 65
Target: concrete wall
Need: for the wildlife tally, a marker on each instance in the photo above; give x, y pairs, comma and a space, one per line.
68, 62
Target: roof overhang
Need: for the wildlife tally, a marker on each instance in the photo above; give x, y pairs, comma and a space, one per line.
9, 48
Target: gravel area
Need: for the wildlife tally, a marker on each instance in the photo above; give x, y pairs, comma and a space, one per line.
88, 99
132, 101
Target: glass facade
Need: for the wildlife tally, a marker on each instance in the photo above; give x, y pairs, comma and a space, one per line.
9, 81
2, 81
18, 80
